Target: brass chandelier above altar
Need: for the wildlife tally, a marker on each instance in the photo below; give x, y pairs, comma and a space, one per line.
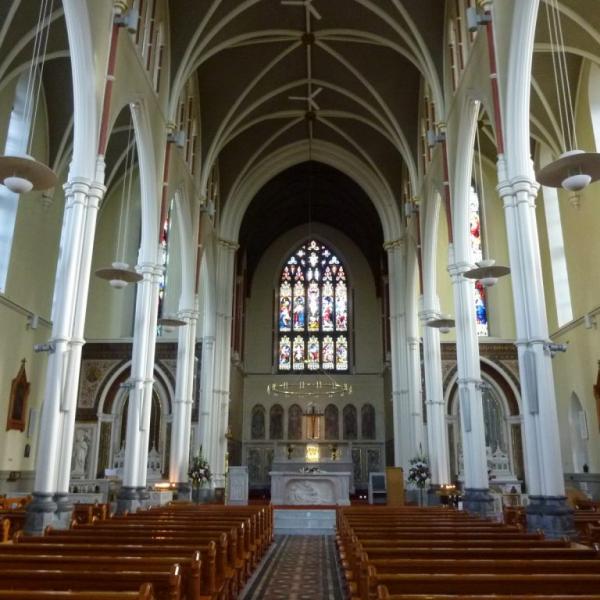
310, 389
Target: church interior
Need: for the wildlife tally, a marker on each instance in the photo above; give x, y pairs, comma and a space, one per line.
286, 291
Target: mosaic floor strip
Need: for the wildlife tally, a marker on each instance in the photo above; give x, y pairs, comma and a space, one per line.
298, 568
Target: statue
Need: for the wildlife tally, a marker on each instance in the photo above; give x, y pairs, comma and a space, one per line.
80, 452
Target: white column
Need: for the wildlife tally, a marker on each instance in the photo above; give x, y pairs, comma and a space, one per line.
400, 397
413, 359
42, 508
469, 388
71, 388
437, 432
207, 371
540, 422
149, 381
182, 406
144, 334
220, 407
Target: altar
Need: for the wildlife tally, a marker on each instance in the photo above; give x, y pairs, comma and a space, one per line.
303, 488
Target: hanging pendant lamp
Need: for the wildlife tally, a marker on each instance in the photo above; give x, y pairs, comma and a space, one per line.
444, 323
21, 173
574, 169
487, 271
119, 274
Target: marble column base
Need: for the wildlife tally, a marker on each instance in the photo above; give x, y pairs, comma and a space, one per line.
128, 500
479, 502
551, 514
433, 498
64, 511
40, 513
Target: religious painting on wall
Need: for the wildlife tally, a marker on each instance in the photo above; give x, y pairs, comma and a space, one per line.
332, 428
276, 422
367, 413
350, 422
597, 394
313, 304
257, 423
294, 422
17, 404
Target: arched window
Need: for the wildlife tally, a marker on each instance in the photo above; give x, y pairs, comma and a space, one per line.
367, 422
312, 317
257, 423
276, 422
332, 426
481, 313
350, 422
294, 422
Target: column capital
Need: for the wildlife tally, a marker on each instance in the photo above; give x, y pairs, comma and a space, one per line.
188, 313
393, 244
427, 314
229, 244
77, 185
456, 269
147, 269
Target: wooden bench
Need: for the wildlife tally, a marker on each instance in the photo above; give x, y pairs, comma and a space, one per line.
146, 592
192, 556
383, 594
166, 584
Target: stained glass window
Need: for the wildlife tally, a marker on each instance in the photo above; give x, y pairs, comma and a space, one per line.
481, 314
312, 317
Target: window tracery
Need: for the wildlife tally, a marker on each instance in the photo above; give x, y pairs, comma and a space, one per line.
312, 317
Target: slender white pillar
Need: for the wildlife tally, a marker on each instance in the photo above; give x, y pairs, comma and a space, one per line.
413, 358
220, 407
150, 351
207, 369
400, 393
477, 498
71, 388
144, 329
41, 509
545, 477
437, 432
182, 406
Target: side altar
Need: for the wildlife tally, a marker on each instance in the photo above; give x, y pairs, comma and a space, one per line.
313, 473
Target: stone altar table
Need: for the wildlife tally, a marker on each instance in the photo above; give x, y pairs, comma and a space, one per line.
295, 488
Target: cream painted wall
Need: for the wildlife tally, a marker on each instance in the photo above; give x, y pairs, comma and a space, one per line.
501, 314
30, 286
576, 370
110, 311
367, 381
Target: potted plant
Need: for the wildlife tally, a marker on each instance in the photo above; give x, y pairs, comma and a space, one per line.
418, 474
200, 476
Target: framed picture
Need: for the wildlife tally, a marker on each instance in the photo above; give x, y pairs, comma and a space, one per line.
17, 405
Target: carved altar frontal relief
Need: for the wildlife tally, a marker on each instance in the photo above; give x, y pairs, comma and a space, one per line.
299, 491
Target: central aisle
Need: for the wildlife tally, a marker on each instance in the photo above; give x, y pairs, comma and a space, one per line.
297, 568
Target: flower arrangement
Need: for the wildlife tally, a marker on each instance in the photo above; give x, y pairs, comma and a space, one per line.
199, 471
309, 470
418, 472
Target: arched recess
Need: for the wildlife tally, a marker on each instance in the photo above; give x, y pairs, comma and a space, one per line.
107, 432
247, 186
257, 422
502, 422
578, 434
276, 415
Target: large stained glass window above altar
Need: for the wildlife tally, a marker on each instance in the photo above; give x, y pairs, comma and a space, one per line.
312, 312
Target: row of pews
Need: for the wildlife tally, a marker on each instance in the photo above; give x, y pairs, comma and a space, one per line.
176, 552
442, 554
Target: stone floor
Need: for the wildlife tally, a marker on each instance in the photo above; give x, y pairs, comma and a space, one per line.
297, 568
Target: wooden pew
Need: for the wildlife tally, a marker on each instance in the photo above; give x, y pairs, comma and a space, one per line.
145, 592
211, 581
383, 594
477, 583
110, 562
166, 584
12, 521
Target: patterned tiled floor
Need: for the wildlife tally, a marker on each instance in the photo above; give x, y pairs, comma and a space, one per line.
297, 568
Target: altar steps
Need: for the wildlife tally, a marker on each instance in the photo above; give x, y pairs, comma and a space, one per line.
301, 521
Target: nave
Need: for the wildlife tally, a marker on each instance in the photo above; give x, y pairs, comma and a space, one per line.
185, 551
